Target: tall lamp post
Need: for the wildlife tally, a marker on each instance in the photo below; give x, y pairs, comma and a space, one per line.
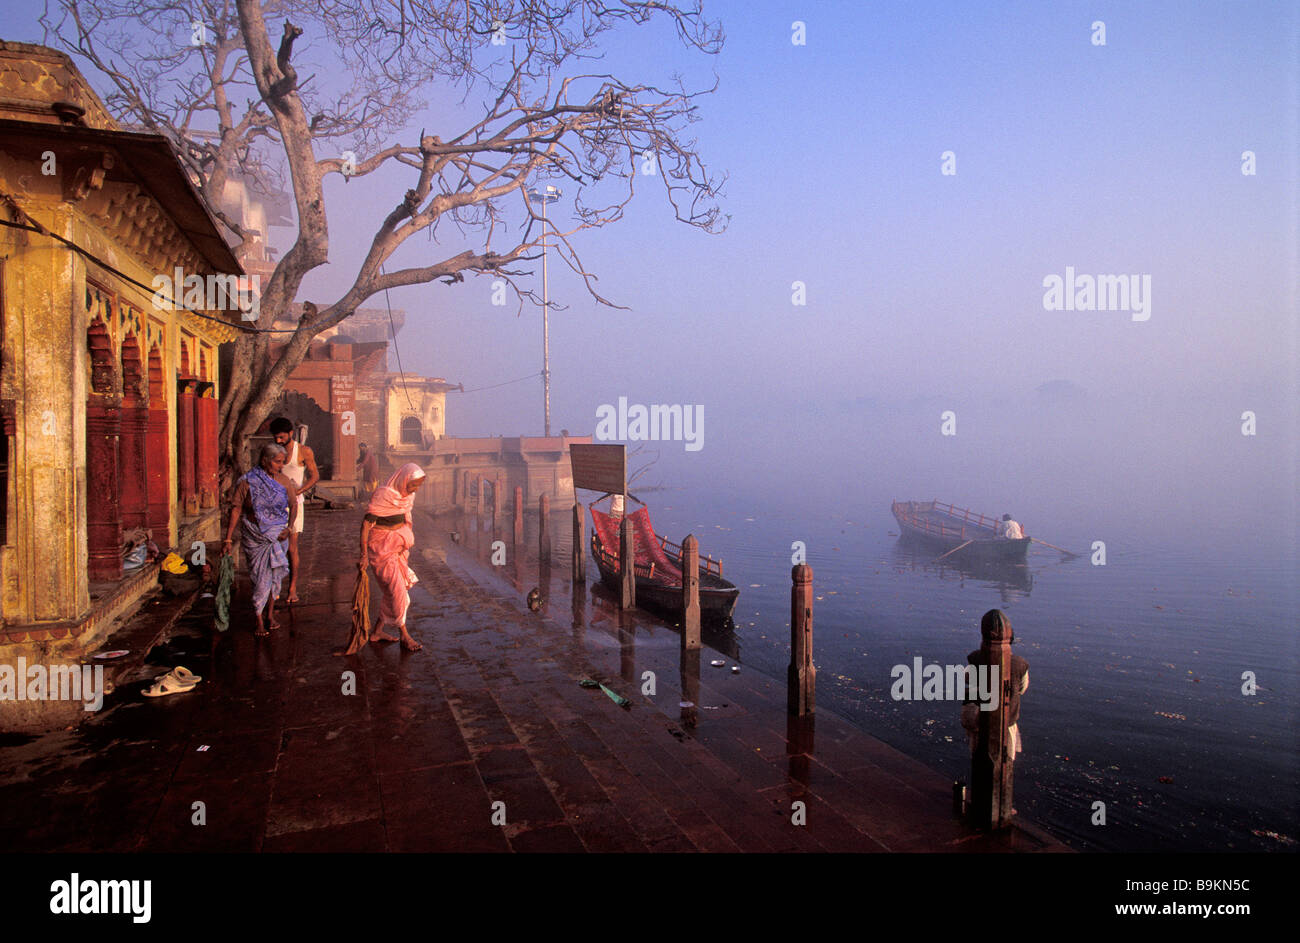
545, 195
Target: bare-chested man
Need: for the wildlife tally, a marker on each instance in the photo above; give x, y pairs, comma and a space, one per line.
300, 468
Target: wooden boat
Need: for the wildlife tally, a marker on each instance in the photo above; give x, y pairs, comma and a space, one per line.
658, 569
945, 527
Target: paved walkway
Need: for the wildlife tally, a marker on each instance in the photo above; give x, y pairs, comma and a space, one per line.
425, 752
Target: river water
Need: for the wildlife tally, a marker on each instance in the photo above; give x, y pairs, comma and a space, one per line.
1139, 668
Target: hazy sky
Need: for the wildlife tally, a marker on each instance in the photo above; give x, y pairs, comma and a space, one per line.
924, 290
1115, 159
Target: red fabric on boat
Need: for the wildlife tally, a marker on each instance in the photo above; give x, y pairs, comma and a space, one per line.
644, 542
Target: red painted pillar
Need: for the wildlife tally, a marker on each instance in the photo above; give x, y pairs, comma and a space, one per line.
133, 451
158, 469
158, 473
205, 434
189, 496
103, 508
135, 420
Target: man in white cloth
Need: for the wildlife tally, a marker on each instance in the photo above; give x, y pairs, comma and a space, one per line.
300, 468
1006, 528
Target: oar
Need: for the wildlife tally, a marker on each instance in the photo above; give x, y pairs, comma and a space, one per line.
1054, 547
953, 550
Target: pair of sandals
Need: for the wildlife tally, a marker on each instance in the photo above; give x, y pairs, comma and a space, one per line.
177, 681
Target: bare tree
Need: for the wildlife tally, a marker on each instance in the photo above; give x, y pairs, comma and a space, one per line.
592, 129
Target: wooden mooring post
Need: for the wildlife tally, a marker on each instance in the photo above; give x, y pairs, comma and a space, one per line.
482, 495
690, 593
579, 560
801, 679
626, 566
992, 765
544, 529
497, 487
519, 518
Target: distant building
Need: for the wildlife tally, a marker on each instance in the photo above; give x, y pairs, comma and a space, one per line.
321, 397
414, 412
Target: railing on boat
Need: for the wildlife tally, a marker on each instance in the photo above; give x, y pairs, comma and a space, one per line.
907, 512
938, 529
611, 559
674, 552
965, 513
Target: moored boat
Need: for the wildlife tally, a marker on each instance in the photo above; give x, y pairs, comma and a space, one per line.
658, 568
949, 529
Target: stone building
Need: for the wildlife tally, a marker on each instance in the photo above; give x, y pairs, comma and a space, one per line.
414, 412
108, 390
323, 399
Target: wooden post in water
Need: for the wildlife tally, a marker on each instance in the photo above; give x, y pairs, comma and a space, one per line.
496, 503
482, 495
626, 564
690, 593
801, 679
579, 544
519, 518
544, 529
464, 490
992, 765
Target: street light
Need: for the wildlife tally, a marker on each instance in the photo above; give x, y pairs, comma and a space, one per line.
545, 195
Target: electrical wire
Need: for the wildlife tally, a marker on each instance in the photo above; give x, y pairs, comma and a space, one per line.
393, 328
41, 231
495, 385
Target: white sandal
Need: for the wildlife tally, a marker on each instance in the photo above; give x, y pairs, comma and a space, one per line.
181, 675
167, 685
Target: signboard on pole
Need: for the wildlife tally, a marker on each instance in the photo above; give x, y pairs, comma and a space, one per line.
599, 467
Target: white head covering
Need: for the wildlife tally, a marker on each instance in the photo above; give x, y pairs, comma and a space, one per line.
391, 498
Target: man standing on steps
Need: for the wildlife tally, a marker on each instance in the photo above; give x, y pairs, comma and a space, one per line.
300, 468
368, 465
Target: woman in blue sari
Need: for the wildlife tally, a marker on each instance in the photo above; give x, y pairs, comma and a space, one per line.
260, 507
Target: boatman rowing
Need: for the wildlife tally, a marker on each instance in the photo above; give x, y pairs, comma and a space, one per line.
1006, 529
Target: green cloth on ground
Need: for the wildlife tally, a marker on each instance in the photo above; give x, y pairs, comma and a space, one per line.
614, 696
617, 698
225, 586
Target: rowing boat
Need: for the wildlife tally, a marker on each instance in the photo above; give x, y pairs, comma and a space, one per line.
949, 529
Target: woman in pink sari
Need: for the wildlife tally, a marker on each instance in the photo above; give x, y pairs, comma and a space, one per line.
386, 541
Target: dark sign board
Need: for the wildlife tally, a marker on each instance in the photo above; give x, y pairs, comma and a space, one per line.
599, 467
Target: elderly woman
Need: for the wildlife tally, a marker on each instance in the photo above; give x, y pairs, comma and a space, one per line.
386, 541
261, 509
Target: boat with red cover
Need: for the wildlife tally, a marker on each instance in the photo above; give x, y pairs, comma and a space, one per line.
658, 568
